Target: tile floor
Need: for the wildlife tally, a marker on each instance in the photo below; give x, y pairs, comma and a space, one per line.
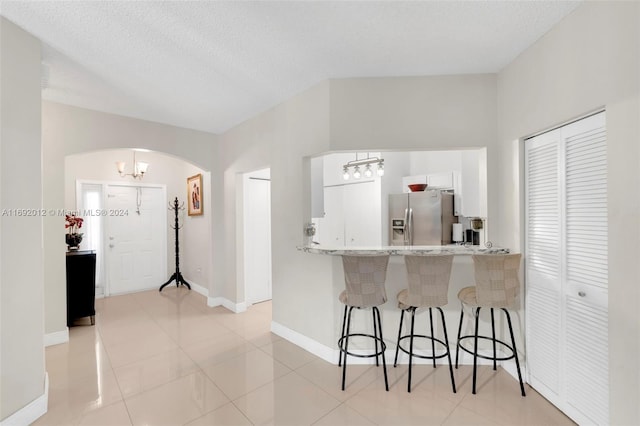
168, 359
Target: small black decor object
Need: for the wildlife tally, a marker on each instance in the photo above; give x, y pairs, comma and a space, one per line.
73, 241
177, 276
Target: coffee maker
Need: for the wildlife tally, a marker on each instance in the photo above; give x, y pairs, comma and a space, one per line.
472, 236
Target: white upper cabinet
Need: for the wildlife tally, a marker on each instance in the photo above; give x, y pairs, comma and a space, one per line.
442, 180
470, 184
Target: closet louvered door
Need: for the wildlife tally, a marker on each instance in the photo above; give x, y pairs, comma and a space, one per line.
566, 285
543, 261
586, 277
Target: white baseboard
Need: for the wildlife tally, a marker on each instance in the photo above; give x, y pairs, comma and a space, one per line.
331, 354
306, 343
199, 289
221, 301
57, 337
217, 301
32, 411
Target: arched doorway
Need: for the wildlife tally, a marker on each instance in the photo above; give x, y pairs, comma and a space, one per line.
134, 241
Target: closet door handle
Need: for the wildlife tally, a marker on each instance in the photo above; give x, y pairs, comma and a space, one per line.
582, 294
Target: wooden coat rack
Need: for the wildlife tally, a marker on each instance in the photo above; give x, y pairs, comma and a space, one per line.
177, 276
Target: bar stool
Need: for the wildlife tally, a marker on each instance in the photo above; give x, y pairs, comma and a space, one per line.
364, 277
428, 278
497, 286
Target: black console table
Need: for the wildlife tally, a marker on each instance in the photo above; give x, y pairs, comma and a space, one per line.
81, 285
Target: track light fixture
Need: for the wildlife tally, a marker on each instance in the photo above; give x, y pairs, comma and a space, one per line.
367, 163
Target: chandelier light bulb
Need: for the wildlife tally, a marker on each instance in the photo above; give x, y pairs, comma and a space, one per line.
345, 173
367, 171
356, 172
380, 169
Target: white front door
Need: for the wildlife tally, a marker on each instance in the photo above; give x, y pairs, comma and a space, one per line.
136, 238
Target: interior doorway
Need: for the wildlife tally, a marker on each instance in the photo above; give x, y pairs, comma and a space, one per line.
257, 236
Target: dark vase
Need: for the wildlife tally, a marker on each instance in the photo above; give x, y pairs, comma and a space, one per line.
73, 240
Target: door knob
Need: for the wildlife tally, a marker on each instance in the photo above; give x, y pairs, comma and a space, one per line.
111, 246
582, 294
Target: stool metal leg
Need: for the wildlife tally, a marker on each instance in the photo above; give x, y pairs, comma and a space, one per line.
459, 333
493, 340
346, 347
475, 351
413, 317
433, 342
344, 322
515, 352
395, 360
446, 340
375, 335
384, 363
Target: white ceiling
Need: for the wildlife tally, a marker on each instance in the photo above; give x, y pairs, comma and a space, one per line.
210, 65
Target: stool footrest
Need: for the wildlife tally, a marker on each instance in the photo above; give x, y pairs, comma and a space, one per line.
497, 358
383, 346
444, 354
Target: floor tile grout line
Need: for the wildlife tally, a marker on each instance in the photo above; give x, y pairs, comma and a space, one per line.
282, 377
124, 402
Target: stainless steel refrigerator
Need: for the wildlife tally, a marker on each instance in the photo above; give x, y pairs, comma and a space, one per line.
421, 218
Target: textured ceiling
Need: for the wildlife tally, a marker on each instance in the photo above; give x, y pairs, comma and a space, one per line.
210, 65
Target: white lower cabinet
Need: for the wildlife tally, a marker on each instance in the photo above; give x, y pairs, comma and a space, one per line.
566, 274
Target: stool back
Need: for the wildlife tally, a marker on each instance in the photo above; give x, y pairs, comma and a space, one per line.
428, 278
497, 282
364, 277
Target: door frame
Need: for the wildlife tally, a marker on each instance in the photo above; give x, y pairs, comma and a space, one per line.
105, 228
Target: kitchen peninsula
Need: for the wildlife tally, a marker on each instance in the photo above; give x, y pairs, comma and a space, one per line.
403, 250
325, 299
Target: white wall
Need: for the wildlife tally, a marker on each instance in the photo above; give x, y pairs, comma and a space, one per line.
69, 130
22, 377
280, 138
427, 162
195, 244
588, 61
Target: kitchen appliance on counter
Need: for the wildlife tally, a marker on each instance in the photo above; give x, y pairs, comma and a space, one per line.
472, 237
421, 218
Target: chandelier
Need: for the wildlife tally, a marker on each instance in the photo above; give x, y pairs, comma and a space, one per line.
367, 163
139, 168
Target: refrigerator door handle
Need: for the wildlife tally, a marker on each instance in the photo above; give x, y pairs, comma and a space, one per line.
410, 226
405, 229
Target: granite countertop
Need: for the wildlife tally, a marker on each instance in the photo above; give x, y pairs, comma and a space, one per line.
402, 250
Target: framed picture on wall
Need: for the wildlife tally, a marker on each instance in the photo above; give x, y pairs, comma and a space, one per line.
194, 195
